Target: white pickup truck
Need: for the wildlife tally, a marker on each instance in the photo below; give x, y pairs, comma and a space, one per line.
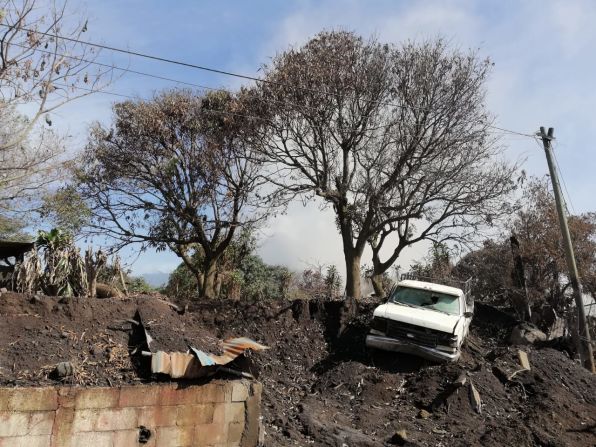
426, 319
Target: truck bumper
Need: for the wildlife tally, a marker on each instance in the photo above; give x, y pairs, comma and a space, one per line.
395, 345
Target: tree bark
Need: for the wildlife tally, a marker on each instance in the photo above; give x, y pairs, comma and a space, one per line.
209, 273
377, 282
353, 291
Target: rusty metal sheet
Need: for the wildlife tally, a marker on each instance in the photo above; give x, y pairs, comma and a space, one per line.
199, 363
232, 347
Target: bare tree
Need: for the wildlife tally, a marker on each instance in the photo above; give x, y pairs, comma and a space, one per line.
42, 67
385, 135
41, 64
175, 172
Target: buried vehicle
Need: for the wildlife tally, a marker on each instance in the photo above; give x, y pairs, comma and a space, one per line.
425, 318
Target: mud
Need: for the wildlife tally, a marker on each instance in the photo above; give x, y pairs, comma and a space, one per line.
320, 389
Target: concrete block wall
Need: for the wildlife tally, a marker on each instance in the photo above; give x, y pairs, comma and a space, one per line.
215, 414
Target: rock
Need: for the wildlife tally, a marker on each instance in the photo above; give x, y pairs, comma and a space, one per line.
523, 359
439, 431
64, 369
400, 437
461, 380
526, 334
475, 400
3, 290
107, 291
423, 414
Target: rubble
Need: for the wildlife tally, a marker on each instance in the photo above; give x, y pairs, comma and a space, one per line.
526, 334
318, 389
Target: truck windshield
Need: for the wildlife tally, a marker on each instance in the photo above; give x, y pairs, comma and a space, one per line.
427, 299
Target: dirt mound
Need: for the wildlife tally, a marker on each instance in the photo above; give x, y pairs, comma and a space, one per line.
328, 391
320, 389
37, 332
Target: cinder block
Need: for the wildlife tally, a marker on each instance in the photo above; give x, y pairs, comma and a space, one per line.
252, 431
84, 420
256, 389
33, 399
213, 392
210, 434
26, 441
95, 439
5, 394
152, 417
174, 436
235, 430
177, 396
66, 397
125, 438
239, 391
13, 424
139, 396
116, 419
229, 412
97, 398
63, 427
41, 422
195, 414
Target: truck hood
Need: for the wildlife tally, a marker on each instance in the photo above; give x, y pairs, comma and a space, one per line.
417, 316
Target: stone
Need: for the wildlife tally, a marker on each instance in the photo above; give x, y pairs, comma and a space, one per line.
423, 414
116, 419
400, 437
97, 398
523, 360
475, 400
526, 334
64, 369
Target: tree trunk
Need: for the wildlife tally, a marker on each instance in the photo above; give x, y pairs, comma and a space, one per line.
519, 278
353, 276
377, 282
208, 286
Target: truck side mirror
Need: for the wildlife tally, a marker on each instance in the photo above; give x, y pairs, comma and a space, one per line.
468, 314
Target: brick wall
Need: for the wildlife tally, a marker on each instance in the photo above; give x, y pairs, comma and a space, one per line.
213, 414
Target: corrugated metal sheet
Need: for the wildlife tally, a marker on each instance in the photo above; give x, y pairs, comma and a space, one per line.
197, 363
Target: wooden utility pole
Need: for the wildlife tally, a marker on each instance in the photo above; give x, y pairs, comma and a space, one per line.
585, 348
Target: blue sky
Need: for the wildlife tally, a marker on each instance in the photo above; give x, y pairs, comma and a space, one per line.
543, 75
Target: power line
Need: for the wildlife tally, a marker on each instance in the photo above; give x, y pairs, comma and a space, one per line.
224, 72
151, 75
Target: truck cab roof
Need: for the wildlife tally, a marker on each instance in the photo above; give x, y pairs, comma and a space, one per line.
433, 287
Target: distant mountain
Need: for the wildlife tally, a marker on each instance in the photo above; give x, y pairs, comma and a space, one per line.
156, 279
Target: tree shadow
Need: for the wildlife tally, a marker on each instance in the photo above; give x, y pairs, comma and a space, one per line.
350, 345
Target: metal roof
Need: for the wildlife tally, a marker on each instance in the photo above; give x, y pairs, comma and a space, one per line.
8, 249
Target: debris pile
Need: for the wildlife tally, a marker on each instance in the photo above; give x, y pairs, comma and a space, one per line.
318, 389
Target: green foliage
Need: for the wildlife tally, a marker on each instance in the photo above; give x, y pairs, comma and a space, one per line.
437, 263
138, 284
182, 284
332, 282
65, 209
259, 280
252, 279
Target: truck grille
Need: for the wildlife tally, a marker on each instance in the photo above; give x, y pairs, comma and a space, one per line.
415, 334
